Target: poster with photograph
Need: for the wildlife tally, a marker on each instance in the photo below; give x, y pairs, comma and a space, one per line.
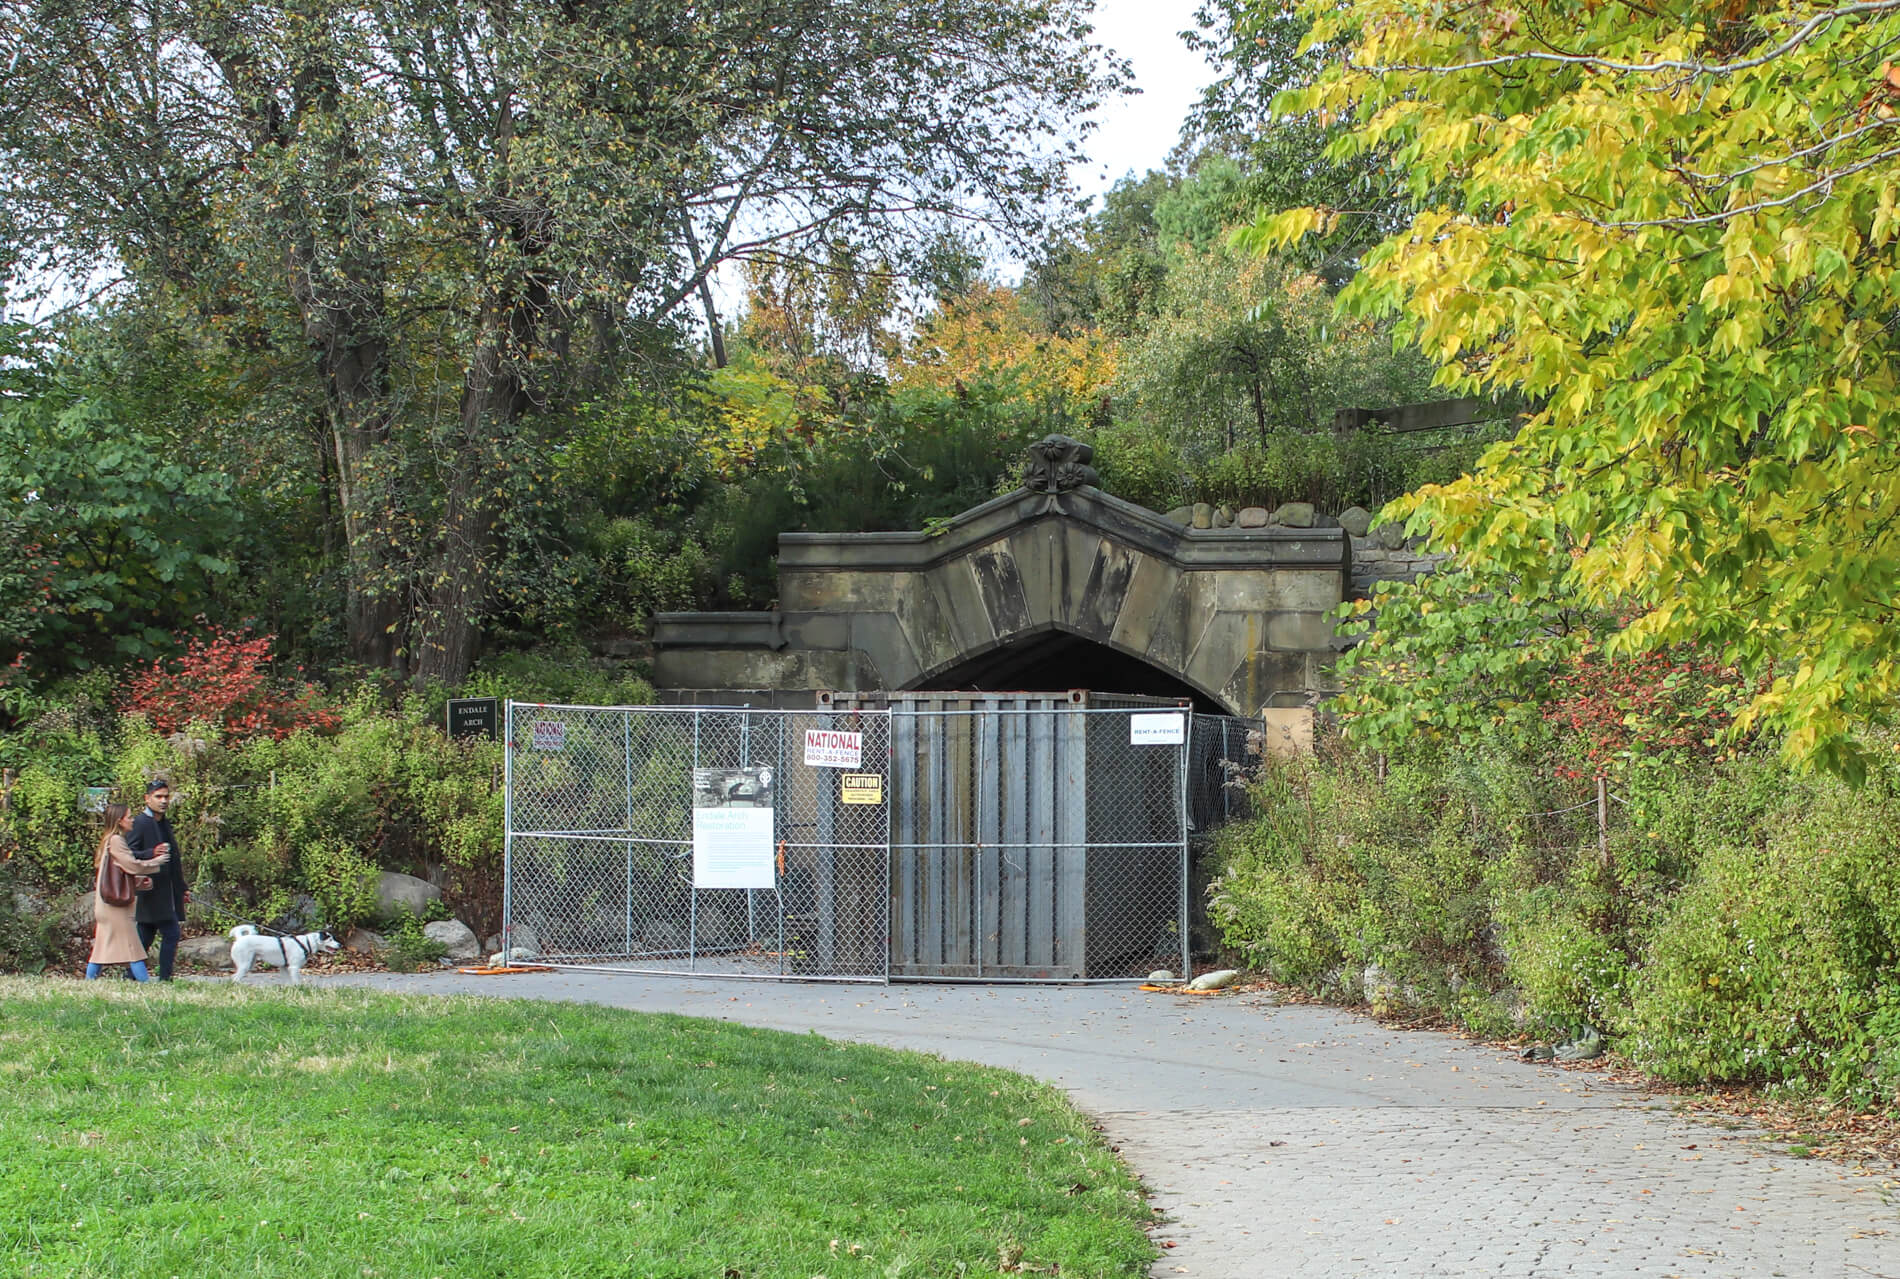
732, 828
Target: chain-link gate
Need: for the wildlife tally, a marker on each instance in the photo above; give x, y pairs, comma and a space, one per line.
921, 836
729, 842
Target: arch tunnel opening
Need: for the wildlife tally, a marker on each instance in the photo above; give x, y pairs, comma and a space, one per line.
1055, 662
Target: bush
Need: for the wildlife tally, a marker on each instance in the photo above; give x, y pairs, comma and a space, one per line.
29, 939
411, 949
224, 679
43, 820
1744, 927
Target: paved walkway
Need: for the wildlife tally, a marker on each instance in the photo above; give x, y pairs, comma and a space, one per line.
1310, 1143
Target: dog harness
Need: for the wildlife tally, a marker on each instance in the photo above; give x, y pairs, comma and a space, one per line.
284, 955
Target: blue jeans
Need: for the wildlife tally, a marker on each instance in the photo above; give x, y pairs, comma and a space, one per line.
167, 930
136, 969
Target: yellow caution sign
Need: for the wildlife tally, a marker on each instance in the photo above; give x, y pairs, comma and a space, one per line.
861, 788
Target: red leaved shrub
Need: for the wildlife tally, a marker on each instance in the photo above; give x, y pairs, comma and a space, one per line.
225, 679
1673, 703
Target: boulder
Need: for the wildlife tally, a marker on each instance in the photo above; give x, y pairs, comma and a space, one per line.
361, 941
1224, 517
76, 915
1182, 515
1294, 515
1252, 517
525, 938
206, 952
1380, 990
304, 914
1218, 980
1203, 515
1356, 520
459, 940
396, 892
1160, 975
1390, 535
508, 958
1586, 1046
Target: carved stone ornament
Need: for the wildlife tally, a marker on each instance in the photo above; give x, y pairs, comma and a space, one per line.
1057, 464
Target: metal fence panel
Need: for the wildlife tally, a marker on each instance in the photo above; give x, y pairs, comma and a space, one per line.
1021, 836
600, 849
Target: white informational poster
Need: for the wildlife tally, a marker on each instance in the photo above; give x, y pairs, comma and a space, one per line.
732, 828
829, 748
1163, 728
732, 848
550, 735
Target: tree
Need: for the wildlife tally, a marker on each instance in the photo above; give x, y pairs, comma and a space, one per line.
990, 335
462, 216
1675, 227
1244, 347
1284, 158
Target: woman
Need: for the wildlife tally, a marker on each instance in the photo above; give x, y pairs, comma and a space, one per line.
115, 937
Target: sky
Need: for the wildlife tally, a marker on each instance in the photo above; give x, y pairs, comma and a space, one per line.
1137, 132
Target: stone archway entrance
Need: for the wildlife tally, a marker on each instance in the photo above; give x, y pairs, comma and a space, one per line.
1055, 576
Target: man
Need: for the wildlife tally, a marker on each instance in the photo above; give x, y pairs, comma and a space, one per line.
161, 908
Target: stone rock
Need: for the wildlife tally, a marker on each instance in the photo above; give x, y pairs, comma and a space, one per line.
1252, 517
1219, 980
460, 940
361, 941
1588, 1044
1182, 515
525, 938
1224, 517
395, 891
1381, 992
76, 915
1294, 515
1160, 974
509, 958
304, 914
1203, 515
206, 952
1356, 520
1390, 535
1507, 1005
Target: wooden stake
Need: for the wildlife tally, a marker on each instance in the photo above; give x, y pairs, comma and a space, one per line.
1603, 820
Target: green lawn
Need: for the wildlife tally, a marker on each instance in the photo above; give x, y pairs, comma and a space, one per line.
207, 1130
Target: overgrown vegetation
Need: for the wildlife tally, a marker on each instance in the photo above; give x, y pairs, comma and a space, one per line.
404, 1143
1742, 924
275, 813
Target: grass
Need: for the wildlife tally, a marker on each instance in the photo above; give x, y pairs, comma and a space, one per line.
212, 1130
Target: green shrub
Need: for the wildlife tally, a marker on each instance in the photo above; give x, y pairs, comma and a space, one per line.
341, 879
1744, 925
29, 939
411, 949
44, 821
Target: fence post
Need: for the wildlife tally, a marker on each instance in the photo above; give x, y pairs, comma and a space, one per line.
1603, 820
508, 834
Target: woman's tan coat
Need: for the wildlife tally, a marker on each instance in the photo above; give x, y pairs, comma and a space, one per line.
115, 938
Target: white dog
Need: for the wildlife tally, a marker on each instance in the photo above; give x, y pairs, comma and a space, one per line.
248, 947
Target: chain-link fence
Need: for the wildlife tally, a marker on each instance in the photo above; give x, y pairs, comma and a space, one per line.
733, 842
922, 836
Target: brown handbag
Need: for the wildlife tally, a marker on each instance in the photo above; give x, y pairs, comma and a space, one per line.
116, 887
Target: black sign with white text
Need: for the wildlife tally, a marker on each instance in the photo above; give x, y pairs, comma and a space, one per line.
475, 717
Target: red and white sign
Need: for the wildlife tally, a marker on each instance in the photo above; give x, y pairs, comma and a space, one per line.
829, 748
550, 735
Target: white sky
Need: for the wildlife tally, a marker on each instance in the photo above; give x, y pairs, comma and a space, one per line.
1137, 132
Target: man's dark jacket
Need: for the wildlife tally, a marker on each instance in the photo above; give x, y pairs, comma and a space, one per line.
166, 897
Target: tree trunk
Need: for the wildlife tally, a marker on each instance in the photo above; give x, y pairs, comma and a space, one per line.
339, 296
